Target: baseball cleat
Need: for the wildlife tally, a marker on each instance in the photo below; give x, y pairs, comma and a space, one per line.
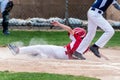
95, 51
78, 56
14, 49
6, 32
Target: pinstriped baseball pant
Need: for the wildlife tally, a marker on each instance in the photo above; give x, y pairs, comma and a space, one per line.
96, 19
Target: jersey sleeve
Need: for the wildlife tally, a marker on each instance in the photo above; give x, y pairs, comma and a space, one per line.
116, 4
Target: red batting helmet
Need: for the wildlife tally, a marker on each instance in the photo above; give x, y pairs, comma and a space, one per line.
80, 31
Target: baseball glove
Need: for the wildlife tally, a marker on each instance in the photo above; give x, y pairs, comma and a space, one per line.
9, 6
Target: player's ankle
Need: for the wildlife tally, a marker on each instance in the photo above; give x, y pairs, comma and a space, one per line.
94, 45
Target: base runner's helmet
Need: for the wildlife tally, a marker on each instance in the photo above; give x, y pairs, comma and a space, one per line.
80, 31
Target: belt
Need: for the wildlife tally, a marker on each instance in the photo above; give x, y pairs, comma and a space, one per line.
97, 10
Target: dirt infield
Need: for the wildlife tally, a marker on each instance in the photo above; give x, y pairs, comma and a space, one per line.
92, 67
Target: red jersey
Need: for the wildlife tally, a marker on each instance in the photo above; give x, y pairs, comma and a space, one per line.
79, 34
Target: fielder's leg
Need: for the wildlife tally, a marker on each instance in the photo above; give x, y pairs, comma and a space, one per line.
6, 7
108, 33
88, 38
5, 22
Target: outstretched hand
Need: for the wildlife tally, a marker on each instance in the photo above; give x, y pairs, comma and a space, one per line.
55, 23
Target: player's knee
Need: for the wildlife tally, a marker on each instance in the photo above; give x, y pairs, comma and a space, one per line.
111, 32
5, 16
5, 21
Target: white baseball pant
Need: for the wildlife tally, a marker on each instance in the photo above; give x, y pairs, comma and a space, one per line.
49, 51
96, 19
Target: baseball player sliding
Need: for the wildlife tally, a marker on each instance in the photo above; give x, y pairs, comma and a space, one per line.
5, 6
96, 19
59, 52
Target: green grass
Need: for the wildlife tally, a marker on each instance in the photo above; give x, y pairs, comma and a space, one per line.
39, 76
50, 37
58, 38
114, 41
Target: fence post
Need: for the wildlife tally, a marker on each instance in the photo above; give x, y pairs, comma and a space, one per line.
66, 12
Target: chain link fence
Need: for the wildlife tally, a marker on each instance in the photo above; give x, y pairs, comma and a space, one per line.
51, 8
69, 11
